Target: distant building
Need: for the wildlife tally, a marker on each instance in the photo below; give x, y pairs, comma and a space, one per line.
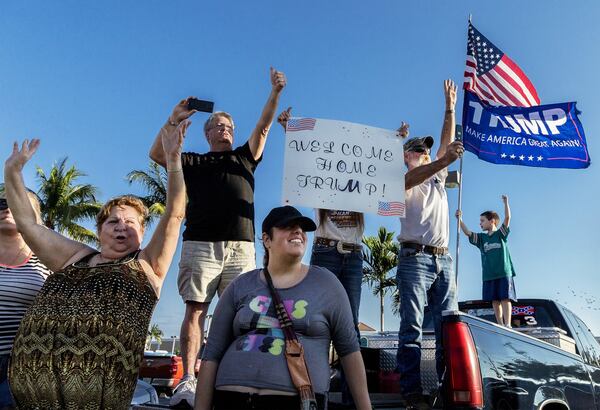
363, 327
170, 345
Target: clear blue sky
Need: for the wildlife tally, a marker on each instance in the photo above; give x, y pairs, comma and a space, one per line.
96, 82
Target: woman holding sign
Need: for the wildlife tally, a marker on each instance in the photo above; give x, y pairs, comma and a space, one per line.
338, 247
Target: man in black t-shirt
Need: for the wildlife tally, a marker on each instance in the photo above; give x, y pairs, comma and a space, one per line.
218, 241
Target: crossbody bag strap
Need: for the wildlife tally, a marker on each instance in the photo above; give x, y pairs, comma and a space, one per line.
294, 352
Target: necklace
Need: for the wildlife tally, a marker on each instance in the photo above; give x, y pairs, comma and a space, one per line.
17, 257
101, 260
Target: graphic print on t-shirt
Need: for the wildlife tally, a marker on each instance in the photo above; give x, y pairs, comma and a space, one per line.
343, 219
266, 335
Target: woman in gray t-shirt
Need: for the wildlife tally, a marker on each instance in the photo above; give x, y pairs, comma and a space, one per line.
243, 363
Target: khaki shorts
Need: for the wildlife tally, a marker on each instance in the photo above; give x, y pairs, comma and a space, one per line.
208, 267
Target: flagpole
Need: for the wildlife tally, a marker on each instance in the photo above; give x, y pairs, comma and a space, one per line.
460, 185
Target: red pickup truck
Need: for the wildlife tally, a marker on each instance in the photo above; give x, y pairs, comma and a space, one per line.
163, 370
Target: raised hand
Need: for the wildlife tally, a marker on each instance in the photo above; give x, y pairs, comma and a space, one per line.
403, 131
458, 214
454, 151
283, 118
505, 199
181, 112
20, 157
450, 94
278, 80
173, 142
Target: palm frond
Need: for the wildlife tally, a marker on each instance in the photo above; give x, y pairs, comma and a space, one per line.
64, 203
380, 255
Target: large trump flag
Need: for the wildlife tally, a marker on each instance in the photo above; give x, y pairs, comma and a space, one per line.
502, 120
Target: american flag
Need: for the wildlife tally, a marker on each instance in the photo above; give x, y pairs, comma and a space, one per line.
390, 209
523, 310
301, 124
494, 77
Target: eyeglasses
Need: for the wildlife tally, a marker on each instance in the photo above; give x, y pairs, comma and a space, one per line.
3, 204
223, 126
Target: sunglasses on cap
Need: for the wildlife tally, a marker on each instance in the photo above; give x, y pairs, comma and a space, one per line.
3, 204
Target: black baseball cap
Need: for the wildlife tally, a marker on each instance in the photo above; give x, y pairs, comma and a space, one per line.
284, 216
419, 144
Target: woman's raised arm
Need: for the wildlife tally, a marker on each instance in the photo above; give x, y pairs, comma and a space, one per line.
54, 250
161, 248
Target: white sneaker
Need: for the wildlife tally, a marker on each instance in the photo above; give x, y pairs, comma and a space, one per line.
184, 393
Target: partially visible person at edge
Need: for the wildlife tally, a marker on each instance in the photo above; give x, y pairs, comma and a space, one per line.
496, 264
81, 342
425, 274
218, 241
243, 362
338, 247
21, 277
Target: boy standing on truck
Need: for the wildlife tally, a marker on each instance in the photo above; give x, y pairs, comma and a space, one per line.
496, 263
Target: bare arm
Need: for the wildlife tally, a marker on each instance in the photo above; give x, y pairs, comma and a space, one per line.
161, 248
258, 138
53, 249
463, 226
449, 118
180, 113
354, 368
506, 211
419, 174
206, 385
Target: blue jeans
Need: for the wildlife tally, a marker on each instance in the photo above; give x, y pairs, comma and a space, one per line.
422, 279
347, 267
5, 396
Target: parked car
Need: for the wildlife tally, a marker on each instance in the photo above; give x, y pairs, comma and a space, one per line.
163, 370
144, 394
549, 360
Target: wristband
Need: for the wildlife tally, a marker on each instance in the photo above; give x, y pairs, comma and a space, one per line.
449, 111
174, 170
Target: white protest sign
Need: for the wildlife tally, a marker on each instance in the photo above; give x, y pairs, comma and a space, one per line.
345, 166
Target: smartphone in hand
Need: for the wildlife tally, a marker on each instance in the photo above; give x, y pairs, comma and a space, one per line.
458, 132
200, 105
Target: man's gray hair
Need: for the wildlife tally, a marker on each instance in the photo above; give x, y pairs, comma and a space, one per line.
213, 117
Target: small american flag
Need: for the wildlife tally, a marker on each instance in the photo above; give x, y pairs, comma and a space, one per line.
523, 310
390, 209
494, 77
301, 124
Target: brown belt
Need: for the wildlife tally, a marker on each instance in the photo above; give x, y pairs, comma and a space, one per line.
333, 243
433, 250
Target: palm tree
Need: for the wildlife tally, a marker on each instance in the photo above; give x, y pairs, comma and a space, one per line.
381, 257
65, 203
154, 333
154, 180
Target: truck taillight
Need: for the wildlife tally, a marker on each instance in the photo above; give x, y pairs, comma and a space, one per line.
173, 368
462, 364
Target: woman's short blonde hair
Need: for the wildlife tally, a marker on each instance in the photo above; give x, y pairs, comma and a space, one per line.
124, 200
33, 199
36, 205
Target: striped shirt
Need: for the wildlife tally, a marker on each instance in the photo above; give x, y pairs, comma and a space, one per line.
19, 286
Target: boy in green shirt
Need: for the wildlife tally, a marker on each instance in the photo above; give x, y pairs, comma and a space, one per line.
497, 266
